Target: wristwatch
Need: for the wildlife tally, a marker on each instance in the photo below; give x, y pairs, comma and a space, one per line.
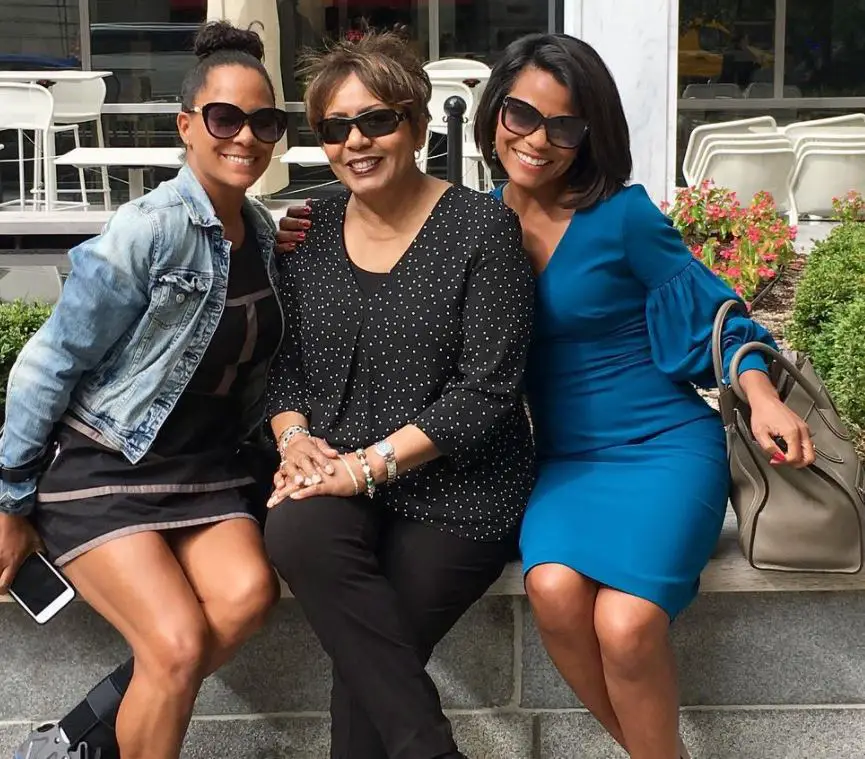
384, 449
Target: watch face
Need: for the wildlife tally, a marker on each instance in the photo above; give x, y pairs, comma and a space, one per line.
384, 448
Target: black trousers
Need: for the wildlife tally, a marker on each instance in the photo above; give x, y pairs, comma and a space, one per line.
380, 592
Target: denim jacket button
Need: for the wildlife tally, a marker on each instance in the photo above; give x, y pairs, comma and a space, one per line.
180, 298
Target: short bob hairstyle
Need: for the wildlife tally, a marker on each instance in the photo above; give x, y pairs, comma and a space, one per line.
386, 65
603, 161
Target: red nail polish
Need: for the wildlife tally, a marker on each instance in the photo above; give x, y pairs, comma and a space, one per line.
778, 458
301, 235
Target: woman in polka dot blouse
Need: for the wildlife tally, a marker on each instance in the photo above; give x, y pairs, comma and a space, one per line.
632, 473
409, 307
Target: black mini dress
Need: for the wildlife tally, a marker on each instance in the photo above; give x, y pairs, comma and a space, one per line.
193, 473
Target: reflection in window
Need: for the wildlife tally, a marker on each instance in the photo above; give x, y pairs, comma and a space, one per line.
148, 46
39, 35
825, 41
482, 29
728, 43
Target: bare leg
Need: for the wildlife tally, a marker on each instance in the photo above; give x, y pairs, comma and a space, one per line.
138, 586
563, 603
640, 670
233, 579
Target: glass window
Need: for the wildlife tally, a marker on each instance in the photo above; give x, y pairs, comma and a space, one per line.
825, 53
308, 24
147, 46
726, 48
482, 29
39, 34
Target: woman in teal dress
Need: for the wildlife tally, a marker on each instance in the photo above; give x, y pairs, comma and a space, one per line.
633, 481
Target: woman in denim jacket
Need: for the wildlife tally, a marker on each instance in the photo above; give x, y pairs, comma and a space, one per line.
140, 390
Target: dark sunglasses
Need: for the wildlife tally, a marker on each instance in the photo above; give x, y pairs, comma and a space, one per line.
378, 123
518, 117
224, 121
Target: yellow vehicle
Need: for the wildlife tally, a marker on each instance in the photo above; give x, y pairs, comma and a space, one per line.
708, 50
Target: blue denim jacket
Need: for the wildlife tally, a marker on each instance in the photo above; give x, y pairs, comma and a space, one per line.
135, 316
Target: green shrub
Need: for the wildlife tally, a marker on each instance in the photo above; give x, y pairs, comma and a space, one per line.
844, 345
18, 323
833, 278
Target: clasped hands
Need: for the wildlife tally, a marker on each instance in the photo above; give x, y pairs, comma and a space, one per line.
310, 467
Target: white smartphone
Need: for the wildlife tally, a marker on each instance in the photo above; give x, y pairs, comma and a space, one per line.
40, 588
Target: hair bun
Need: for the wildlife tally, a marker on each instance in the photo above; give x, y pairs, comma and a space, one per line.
221, 35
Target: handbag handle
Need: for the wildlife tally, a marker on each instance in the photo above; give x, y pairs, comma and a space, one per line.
718, 360
820, 400
717, 331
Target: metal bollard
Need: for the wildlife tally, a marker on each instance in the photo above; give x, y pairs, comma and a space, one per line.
455, 109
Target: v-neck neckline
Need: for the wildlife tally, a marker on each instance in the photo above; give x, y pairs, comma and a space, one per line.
539, 274
404, 260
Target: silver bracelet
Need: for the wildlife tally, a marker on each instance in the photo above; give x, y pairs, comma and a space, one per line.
384, 449
287, 435
352, 474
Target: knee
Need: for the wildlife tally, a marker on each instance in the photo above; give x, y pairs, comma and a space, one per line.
246, 601
175, 656
633, 636
298, 538
562, 600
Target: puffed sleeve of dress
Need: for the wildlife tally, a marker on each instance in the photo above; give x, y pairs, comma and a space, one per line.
682, 298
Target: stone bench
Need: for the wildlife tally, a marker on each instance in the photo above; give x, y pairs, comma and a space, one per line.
767, 672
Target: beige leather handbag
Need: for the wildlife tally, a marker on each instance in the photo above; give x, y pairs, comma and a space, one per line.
792, 520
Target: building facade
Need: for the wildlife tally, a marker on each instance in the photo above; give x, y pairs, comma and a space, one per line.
678, 63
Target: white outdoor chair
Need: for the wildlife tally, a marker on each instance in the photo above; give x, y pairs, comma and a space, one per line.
731, 141
77, 103
463, 64
824, 172
766, 90
715, 90
752, 169
739, 126
853, 139
849, 120
28, 107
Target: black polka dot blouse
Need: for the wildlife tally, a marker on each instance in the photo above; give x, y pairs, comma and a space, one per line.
440, 343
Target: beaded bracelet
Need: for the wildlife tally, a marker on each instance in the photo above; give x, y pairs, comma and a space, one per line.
367, 471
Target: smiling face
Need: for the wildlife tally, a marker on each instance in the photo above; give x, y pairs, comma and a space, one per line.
367, 165
238, 162
532, 162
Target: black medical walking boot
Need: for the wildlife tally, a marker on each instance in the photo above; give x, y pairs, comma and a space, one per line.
49, 742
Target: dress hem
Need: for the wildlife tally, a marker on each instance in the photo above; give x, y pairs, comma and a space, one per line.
151, 527
671, 604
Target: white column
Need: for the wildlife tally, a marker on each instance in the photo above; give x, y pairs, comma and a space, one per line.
260, 16
638, 40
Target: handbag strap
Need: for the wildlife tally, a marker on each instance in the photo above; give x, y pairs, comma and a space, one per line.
717, 332
820, 399
726, 398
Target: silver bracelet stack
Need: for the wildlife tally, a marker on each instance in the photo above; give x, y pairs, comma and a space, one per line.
286, 437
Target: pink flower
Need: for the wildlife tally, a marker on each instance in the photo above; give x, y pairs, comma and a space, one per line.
734, 271
739, 290
766, 273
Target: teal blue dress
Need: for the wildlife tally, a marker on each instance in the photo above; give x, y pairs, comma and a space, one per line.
632, 475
